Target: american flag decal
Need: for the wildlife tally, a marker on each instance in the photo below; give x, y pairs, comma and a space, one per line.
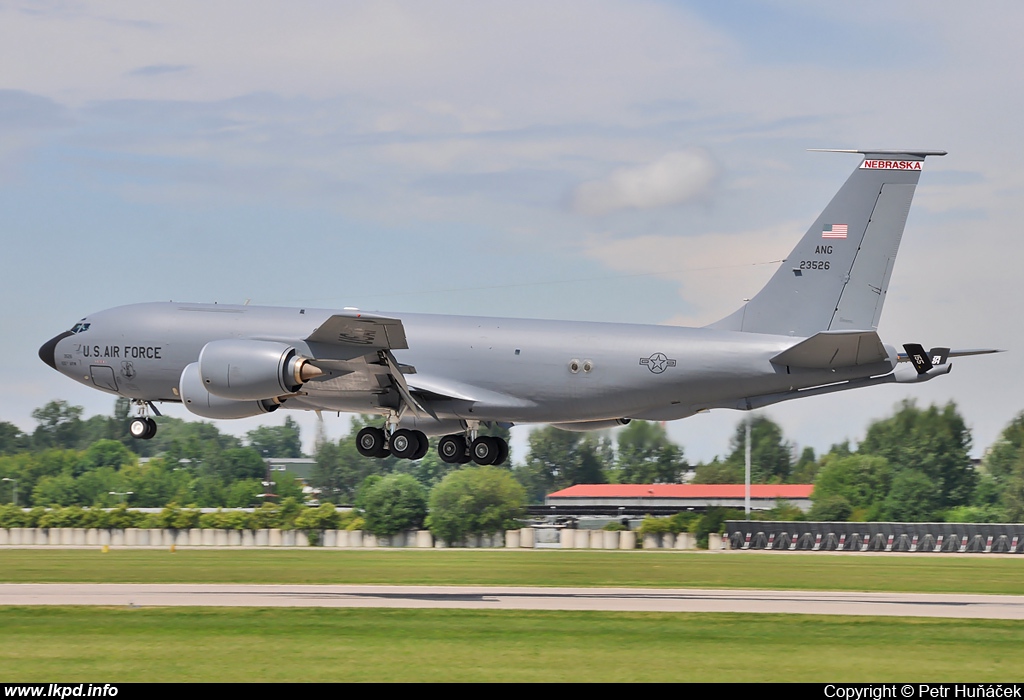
834, 231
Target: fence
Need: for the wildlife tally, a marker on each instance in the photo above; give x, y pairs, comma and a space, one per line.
983, 538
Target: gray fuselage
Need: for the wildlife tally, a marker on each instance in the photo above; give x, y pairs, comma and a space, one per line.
464, 368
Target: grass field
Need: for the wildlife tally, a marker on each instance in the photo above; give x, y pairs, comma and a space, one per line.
848, 572
334, 645
65, 644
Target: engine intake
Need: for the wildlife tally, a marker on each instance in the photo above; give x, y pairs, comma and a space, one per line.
245, 370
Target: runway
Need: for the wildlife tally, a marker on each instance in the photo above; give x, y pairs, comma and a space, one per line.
514, 598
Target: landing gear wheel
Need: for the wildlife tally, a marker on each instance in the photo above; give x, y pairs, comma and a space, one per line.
405, 443
502, 452
370, 442
142, 428
485, 450
424, 445
452, 449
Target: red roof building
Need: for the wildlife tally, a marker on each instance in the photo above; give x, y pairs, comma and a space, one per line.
665, 498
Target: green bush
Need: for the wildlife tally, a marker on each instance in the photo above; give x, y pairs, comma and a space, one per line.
614, 526
33, 517
654, 526
12, 516
122, 518
475, 501
712, 521
71, 516
356, 523
394, 504
265, 517
681, 521
975, 514
288, 512
324, 517
95, 517
213, 521
175, 517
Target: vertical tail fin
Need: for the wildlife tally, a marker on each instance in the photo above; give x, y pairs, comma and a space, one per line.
837, 276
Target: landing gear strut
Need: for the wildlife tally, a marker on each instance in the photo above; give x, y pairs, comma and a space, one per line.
142, 426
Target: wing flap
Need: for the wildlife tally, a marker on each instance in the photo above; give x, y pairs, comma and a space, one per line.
834, 349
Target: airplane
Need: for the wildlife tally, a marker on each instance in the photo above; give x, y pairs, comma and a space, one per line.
810, 331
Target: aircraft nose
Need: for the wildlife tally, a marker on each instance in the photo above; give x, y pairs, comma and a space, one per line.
47, 353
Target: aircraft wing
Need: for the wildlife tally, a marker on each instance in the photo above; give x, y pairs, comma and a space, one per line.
446, 388
834, 349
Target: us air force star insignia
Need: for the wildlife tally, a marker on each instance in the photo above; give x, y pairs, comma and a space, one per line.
658, 362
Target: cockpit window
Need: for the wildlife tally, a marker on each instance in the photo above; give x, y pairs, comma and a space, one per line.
79, 327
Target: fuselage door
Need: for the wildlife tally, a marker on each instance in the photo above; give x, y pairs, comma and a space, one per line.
103, 377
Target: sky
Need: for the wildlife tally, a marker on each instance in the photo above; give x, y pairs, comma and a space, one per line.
636, 161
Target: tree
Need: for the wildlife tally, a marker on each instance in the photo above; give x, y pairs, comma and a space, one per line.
105, 453
340, 469
806, 468
281, 441
1001, 460
718, 472
860, 480
914, 497
647, 456
560, 458
394, 504
55, 491
1000, 488
60, 425
934, 442
1013, 498
831, 508
771, 457
475, 501
157, 483
12, 440
239, 463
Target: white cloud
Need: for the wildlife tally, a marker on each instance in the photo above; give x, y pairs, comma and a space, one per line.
672, 179
714, 271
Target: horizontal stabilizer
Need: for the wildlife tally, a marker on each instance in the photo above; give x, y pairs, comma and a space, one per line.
938, 356
834, 349
973, 351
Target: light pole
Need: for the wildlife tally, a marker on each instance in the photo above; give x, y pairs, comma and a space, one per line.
746, 474
14, 497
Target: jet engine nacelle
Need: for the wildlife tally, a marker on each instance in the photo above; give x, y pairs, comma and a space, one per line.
202, 403
587, 426
253, 369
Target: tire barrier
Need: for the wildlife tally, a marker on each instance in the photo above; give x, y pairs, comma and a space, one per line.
960, 538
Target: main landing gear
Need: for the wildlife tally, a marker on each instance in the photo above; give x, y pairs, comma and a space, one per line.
142, 426
413, 444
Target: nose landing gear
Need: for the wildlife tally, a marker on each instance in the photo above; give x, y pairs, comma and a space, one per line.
142, 426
